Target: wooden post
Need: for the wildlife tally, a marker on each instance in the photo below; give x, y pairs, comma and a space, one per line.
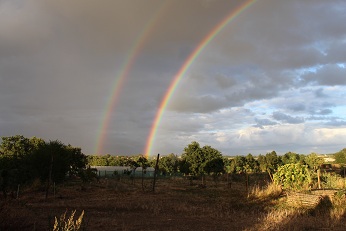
155, 171
230, 180
318, 178
143, 177
50, 176
54, 189
18, 191
247, 183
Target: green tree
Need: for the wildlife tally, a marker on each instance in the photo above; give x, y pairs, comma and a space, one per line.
213, 161
262, 163
94, 160
238, 164
193, 154
16, 146
55, 160
183, 166
314, 161
273, 162
205, 160
251, 163
340, 157
15, 152
169, 164
290, 158
77, 160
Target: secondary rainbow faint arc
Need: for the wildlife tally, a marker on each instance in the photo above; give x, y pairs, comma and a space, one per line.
207, 39
120, 80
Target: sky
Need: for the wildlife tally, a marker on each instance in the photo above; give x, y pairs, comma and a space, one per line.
274, 78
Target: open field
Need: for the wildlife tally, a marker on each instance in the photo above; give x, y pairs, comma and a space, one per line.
176, 205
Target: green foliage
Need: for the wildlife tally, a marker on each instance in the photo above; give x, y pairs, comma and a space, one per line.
243, 164
201, 161
88, 174
169, 164
272, 161
290, 158
61, 158
18, 146
251, 164
293, 176
15, 153
238, 164
184, 166
262, 162
22, 160
313, 161
340, 157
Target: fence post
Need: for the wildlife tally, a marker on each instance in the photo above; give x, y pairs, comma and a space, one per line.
155, 171
18, 191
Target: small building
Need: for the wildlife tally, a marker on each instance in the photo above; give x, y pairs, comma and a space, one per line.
147, 172
110, 171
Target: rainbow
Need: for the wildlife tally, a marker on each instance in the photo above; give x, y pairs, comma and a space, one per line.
188, 62
124, 72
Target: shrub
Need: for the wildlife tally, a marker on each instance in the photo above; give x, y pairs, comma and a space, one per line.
293, 176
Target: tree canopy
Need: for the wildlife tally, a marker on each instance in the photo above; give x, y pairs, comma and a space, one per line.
205, 160
26, 159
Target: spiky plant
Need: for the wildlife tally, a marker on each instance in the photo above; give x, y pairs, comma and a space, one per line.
68, 224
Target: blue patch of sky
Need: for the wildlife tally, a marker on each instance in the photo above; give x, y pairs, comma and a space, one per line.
341, 65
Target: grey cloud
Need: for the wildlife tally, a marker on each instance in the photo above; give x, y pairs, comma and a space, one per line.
264, 122
297, 107
203, 104
287, 118
324, 112
328, 75
224, 82
60, 60
336, 123
320, 94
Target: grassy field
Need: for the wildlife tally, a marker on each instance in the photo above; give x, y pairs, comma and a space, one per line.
176, 205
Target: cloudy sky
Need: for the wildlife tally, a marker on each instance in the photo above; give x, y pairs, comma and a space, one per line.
273, 79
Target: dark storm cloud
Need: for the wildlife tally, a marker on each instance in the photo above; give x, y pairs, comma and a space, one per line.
59, 62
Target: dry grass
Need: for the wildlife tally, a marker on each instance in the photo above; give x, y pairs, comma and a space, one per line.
64, 223
175, 205
271, 190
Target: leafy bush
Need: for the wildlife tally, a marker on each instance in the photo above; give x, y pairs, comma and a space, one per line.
293, 176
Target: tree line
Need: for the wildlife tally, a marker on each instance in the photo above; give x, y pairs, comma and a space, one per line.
200, 161
25, 160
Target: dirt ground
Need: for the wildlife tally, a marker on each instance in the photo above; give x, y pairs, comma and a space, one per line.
121, 205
